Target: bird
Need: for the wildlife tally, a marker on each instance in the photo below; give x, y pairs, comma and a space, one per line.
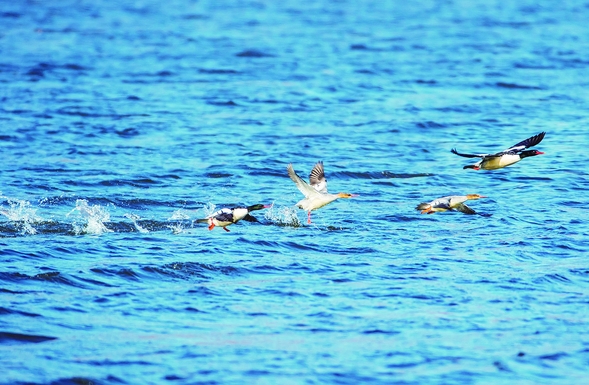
452, 202
315, 192
229, 216
507, 157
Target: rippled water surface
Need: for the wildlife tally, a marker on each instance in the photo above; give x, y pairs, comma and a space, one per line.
122, 123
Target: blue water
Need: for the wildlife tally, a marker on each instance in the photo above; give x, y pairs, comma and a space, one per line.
121, 123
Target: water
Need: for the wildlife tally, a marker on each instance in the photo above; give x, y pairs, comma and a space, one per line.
124, 122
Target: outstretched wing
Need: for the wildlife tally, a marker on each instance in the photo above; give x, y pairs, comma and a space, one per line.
317, 178
300, 183
464, 209
530, 142
471, 155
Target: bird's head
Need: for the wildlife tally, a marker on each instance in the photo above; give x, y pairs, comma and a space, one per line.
525, 154
346, 195
258, 207
474, 196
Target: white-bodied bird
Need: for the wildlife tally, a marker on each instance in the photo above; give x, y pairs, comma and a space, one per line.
315, 192
452, 202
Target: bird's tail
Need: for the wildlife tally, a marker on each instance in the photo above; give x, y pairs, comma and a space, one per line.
425, 208
204, 220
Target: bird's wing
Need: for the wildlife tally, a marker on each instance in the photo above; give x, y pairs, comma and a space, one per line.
441, 203
530, 142
471, 155
464, 209
300, 183
223, 215
250, 218
454, 200
317, 178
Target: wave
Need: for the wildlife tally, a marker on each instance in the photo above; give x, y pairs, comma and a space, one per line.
7, 337
111, 276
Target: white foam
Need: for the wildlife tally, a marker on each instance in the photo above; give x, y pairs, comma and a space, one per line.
178, 215
90, 219
283, 216
209, 209
176, 228
134, 218
22, 214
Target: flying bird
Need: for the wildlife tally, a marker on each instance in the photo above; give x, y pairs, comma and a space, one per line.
507, 157
315, 192
227, 216
449, 203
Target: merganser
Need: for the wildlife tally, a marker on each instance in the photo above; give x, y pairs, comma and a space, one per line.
507, 157
227, 216
452, 202
316, 195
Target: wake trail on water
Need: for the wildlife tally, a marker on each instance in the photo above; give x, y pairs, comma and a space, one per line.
22, 218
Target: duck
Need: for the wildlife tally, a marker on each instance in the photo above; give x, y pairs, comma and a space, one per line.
315, 192
449, 203
506, 157
229, 216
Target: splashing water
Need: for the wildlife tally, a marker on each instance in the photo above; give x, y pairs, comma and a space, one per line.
22, 214
134, 218
176, 228
283, 216
209, 209
92, 218
179, 215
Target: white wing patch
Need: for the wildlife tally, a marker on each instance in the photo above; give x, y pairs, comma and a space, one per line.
303, 186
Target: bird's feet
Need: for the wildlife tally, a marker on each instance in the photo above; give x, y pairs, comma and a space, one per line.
226, 229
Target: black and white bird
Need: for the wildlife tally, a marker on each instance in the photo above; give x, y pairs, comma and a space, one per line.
506, 157
227, 216
315, 192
